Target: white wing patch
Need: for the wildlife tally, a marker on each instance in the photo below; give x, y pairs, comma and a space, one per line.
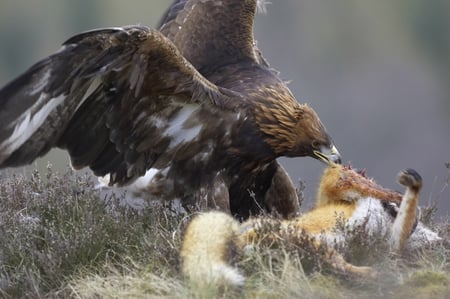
142, 182
137, 186
92, 87
177, 128
29, 122
39, 86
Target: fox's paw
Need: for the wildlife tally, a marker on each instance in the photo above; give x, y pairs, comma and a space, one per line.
410, 178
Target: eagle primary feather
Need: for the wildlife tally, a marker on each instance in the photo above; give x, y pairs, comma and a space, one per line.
194, 103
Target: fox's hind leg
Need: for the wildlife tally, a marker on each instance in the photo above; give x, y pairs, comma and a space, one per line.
406, 216
338, 263
275, 233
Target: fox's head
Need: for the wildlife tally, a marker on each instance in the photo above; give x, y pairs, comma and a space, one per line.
343, 184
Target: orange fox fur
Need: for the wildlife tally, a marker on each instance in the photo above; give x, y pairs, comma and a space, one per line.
213, 239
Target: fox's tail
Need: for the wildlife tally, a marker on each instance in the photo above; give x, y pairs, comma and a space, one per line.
210, 245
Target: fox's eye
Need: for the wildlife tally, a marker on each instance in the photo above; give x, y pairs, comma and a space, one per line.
315, 144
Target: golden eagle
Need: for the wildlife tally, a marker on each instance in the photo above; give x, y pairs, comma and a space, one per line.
194, 104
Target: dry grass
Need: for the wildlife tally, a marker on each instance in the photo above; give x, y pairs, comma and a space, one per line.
60, 238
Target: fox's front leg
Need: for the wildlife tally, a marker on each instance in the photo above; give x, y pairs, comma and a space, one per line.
406, 216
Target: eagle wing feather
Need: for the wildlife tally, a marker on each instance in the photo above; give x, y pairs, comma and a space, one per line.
106, 96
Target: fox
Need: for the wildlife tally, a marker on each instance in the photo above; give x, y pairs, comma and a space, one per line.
213, 241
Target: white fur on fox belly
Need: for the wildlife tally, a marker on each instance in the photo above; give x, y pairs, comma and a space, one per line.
371, 215
369, 212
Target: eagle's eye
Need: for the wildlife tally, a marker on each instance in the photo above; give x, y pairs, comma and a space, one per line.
315, 144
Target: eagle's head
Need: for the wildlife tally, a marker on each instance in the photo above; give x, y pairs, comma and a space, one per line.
293, 129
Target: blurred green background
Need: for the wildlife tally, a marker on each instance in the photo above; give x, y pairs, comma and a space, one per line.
377, 72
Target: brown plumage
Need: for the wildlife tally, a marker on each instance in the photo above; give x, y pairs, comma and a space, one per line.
193, 105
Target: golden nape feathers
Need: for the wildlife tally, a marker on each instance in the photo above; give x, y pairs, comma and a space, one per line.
290, 128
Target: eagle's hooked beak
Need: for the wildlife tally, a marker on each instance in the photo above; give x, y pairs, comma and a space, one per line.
328, 155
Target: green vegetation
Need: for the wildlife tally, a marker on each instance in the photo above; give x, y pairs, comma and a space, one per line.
60, 238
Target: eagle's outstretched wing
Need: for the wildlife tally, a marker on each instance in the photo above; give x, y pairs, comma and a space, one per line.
206, 31
116, 98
